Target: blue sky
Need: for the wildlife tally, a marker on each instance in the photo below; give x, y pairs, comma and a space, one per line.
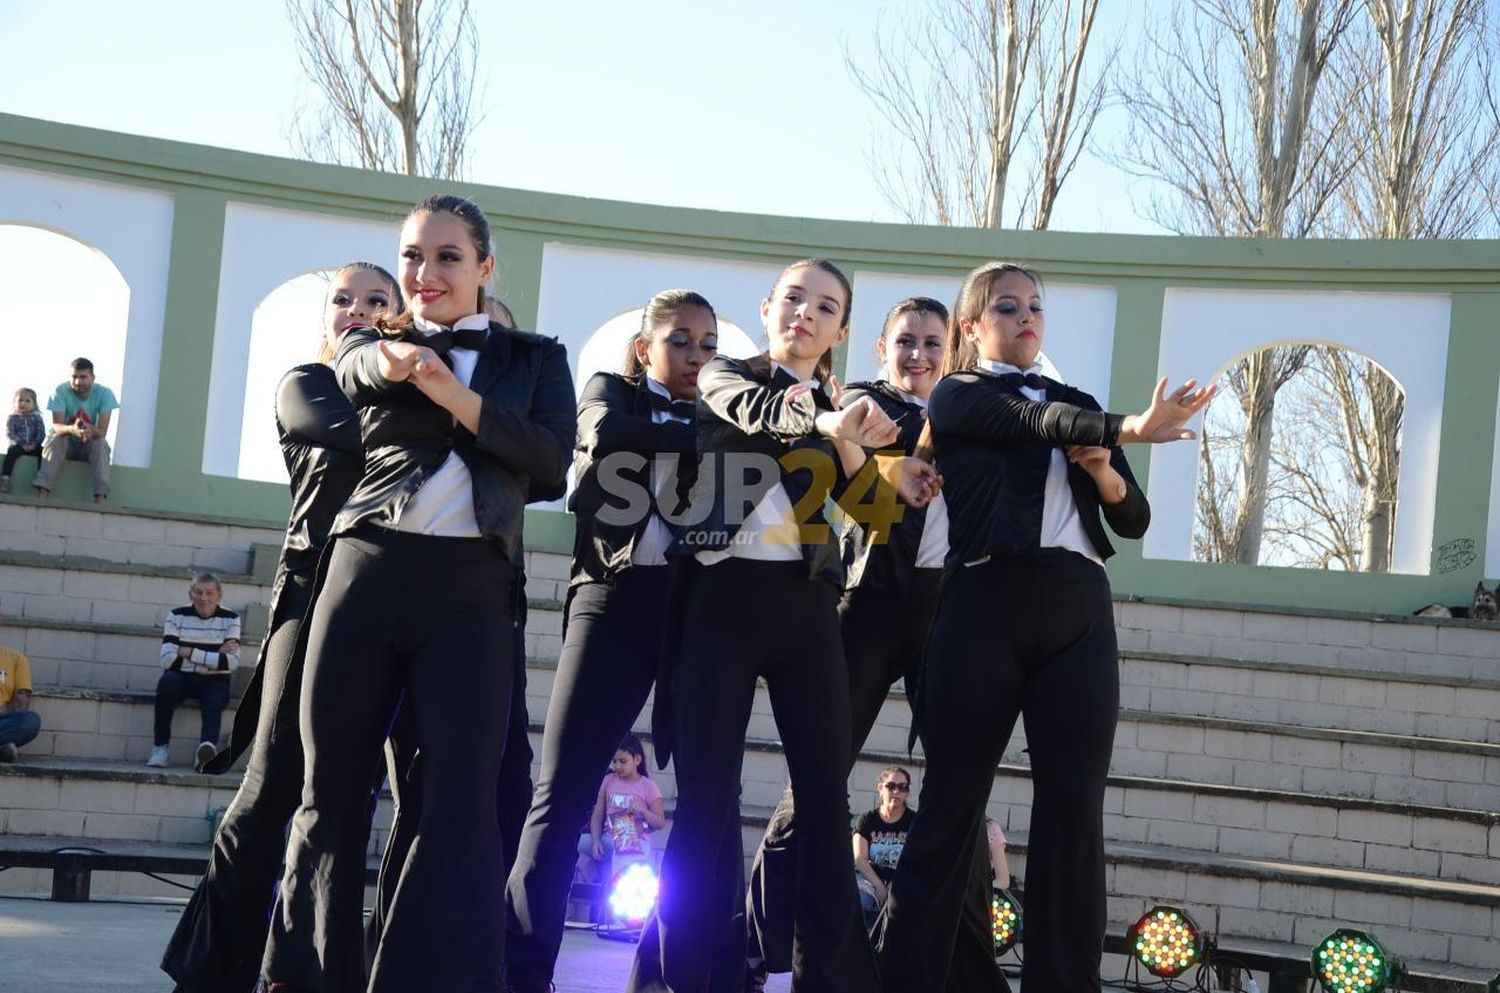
744, 107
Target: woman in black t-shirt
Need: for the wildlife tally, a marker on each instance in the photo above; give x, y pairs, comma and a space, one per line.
879, 836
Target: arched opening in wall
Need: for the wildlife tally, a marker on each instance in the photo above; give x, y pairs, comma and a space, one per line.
1300, 461
284, 332
604, 351
69, 301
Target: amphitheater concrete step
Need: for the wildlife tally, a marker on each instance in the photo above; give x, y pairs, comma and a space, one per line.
137, 537
74, 591
1433, 923
1313, 695
107, 801
90, 654
1356, 643
112, 725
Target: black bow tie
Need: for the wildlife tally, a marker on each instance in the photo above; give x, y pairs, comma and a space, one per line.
1030, 379
783, 380
445, 341
684, 409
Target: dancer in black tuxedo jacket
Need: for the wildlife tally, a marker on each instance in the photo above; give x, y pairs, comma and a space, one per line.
462, 422
884, 616
221, 936
783, 574
1024, 626
636, 441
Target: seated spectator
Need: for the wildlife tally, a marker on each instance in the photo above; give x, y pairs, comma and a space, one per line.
18, 722
999, 864
628, 808
200, 647
25, 430
80, 419
879, 836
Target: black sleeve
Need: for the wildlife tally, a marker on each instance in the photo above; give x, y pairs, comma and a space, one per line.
606, 425
539, 443
909, 423
733, 394
1131, 516
964, 407
312, 409
356, 366
862, 825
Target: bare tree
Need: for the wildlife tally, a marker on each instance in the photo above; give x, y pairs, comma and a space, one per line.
961, 85
397, 81
1420, 81
1225, 117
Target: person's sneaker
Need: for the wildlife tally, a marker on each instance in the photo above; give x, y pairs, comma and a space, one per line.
8, 752
4, 484
204, 755
158, 759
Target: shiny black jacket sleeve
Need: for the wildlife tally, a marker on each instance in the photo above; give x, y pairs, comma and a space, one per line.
357, 366
606, 425
539, 443
735, 396
1002, 416
312, 410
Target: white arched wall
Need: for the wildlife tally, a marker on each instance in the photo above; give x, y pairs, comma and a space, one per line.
1080, 325
604, 351
1492, 534
132, 228
1203, 330
583, 288
264, 248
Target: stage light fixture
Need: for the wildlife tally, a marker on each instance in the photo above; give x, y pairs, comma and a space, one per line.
632, 894
1350, 961
1005, 920
1165, 941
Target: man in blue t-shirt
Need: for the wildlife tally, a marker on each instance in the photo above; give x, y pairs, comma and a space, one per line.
80, 418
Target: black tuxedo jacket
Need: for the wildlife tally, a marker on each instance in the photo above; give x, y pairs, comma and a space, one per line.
742, 409
993, 446
615, 417
519, 454
887, 556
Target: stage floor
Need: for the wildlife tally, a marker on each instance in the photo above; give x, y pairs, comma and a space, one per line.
102, 947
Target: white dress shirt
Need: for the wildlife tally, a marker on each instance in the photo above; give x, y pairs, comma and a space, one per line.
1061, 525
651, 547
444, 505
933, 547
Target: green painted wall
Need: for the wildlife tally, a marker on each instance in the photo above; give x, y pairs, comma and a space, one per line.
202, 180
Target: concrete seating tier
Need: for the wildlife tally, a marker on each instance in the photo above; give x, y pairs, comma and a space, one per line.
1280, 773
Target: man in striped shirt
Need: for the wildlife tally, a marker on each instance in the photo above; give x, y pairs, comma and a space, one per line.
200, 647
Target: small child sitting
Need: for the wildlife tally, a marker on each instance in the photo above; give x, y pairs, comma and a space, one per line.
628, 807
26, 431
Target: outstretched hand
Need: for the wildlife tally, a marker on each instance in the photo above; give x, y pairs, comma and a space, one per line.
1163, 420
918, 482
862, 423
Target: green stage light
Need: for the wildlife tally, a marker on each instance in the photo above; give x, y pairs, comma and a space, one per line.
1350, 961
1165, 941
1005, 920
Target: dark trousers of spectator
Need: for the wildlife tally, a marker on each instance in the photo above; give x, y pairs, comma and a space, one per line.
427, 623
221, 936
743, 620
13, 453
1029, 636
884, 634
610, 655
61, 448
211, 690
19, 728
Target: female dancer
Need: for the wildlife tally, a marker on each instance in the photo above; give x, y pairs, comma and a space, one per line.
784, 576
884, 616
631, 428
417, 598
1024, 625
221, 935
